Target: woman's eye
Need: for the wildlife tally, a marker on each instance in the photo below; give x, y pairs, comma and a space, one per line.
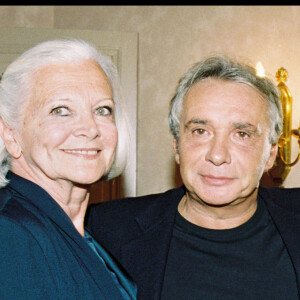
60, 111
104, 111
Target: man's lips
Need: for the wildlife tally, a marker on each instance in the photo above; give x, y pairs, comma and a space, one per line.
216, 180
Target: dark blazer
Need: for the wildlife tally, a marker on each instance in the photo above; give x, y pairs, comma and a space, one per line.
42, 256
137, 231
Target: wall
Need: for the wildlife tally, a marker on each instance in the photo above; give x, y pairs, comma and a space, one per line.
171, 38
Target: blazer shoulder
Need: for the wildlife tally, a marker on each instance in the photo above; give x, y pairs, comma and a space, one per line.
280, 192
134, 205
121, 214
18, 215
5, 196
287, 198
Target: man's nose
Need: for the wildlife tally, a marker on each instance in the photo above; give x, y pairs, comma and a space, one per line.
218, 152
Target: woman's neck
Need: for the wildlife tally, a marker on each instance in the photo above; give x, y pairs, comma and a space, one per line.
75, 206
72, 198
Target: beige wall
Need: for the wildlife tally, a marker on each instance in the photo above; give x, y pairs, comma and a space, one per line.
171, 38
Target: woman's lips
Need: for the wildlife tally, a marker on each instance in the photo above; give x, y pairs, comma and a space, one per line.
86, 153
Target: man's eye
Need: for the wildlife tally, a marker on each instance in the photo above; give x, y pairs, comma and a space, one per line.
60, 111
104, 111
243, 134
199, 131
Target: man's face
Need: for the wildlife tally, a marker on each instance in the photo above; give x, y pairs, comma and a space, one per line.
223, 146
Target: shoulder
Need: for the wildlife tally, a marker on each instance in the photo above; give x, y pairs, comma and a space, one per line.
11, 205
280, 192
20, 231
18, 218
121, 219
135, 205
284, 197
22, 252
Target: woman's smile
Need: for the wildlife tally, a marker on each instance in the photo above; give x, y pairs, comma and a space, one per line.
86, 153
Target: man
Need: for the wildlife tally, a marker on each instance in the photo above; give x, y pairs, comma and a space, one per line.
220, 236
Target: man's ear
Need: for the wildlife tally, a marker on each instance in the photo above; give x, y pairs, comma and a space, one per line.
8, 136
272, 157
176, 151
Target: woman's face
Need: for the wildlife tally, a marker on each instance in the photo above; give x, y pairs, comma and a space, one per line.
68, 131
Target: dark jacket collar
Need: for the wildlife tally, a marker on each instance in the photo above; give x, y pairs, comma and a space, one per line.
162, 209
284, 208
37, 196
39, 202
156, 226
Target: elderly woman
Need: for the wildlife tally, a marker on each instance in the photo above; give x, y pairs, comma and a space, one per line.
60, 120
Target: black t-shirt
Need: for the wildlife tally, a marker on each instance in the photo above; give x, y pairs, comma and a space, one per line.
246, 262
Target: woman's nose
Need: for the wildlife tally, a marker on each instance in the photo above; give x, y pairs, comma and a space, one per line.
86, 126
218, 152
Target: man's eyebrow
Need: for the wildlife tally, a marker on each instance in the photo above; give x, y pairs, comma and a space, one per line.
244, 125
237, 125
249, 126
193, 122
196, 121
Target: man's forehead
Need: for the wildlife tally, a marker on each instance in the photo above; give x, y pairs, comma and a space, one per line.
211, 86
233, 102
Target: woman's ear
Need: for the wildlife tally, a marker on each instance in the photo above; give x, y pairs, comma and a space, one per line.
8, 136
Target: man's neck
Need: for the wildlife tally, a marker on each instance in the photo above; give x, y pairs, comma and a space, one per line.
217, 217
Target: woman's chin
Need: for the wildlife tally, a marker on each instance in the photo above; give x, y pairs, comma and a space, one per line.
87, 179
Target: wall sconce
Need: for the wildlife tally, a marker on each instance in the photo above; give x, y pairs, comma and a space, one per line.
285, 140
284, 161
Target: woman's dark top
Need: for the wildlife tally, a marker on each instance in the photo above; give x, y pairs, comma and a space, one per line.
44, 257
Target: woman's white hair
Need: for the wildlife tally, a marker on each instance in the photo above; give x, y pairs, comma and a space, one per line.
16, 86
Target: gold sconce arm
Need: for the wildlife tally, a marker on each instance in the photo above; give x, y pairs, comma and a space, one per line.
285, 141
296, 133
283, 159
283, 163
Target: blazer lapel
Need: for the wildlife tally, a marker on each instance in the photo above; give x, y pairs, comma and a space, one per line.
288, 225
152, 245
